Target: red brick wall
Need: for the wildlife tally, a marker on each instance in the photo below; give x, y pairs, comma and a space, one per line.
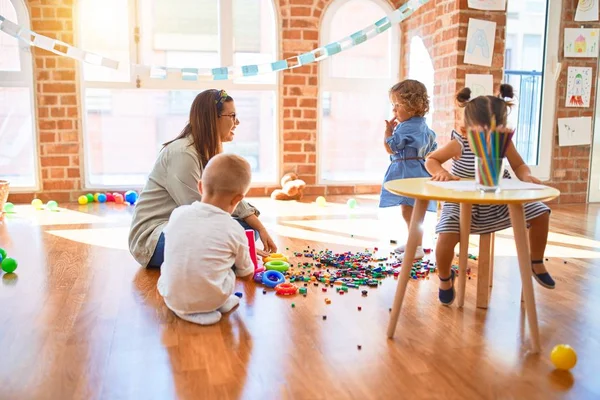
442, 24
570, 169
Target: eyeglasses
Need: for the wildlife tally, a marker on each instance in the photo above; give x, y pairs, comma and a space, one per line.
233, 116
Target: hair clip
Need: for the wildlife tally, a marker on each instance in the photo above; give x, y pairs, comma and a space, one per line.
220, 97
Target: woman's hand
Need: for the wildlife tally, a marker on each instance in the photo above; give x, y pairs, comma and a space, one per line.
444, 176
268, 243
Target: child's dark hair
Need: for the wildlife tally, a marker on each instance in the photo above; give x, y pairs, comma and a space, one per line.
481, 110
413, 96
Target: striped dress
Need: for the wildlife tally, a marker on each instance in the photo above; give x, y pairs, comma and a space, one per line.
484, 218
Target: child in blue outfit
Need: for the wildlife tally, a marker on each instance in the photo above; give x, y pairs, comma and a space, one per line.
408, 140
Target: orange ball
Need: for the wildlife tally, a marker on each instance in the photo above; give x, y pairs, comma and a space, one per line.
119, 198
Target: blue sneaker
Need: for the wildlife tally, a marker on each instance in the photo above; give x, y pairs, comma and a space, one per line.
447, 296
544, 278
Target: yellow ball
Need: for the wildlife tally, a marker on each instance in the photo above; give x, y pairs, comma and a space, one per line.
83, 200
563, 357
96, 197
321, 202
37, 204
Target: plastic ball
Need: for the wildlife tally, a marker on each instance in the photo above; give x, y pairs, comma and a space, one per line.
563, 357
2, 253
83, 200
1, 258
9, 265
9, 208
131, 196
96, 196
90, 197
110, 198
37, 204
321, 202
52, 205
119, 198
352, 203
101, 198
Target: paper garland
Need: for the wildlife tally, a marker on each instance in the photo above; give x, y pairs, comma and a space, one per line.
221, 73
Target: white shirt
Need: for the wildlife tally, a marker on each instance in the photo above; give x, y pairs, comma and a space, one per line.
202, 243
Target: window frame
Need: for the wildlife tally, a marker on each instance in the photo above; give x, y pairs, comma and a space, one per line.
336, 83
24, 79
549, 83
226, 57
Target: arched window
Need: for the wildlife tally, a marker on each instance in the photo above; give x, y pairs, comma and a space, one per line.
354, 98
127, 116
421, 69
18, 149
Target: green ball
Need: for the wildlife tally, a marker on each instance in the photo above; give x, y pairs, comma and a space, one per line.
9, 208
90, 197
52, 205
352, 203
9, 265
3, 253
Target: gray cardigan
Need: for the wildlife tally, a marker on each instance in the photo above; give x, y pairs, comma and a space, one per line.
173, 182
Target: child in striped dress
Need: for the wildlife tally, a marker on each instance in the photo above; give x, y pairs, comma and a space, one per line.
485, 218
407, 140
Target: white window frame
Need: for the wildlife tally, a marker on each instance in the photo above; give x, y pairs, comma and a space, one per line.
594, 168
333, 84
226, 53
24, 78
548, 96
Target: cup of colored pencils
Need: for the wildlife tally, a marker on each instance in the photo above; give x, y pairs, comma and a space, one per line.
490, 146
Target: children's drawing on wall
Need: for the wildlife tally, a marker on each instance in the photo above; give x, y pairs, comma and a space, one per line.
574, 131
480, 42
587, 10
580, 42
480, 85
491, 5
579, 87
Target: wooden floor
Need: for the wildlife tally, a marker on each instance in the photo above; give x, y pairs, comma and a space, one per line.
81, 320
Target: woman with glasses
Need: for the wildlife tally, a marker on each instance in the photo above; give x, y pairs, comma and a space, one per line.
174, 179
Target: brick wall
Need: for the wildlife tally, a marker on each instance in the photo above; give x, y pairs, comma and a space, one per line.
442, 24
570, 168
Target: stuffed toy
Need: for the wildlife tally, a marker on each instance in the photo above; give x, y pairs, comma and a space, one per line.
292, 188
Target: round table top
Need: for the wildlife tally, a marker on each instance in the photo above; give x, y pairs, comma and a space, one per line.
419, 188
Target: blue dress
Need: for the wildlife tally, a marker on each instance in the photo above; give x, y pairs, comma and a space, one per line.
411, 141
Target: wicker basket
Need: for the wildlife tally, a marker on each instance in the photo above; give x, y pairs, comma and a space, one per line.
3, 193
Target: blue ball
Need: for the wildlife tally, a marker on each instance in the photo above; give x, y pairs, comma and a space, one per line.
101, 198
131, 196
0, 258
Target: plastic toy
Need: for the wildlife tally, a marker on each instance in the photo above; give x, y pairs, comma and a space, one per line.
9, 208
90, 197
119, 198
131, 196
110, 198
352, 203
286, 289
2, 253
83, 200
101, 198
277, 265
252, 246
321, 202
37, 204
272, 278
275, 256
52, 205
9, 265
563, 357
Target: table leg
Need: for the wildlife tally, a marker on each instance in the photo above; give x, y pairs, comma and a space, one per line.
492, 253
483, 270
414, 234
517, 217
463, 256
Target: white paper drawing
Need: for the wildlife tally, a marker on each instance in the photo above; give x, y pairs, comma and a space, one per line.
480, 42
490, 5
579, 87
574, 131
581, 42
480, 85
587, 10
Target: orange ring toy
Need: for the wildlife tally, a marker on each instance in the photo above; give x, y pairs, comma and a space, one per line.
286, 289
275, 257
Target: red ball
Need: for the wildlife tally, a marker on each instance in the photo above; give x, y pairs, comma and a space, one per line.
119, 198
109, 197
